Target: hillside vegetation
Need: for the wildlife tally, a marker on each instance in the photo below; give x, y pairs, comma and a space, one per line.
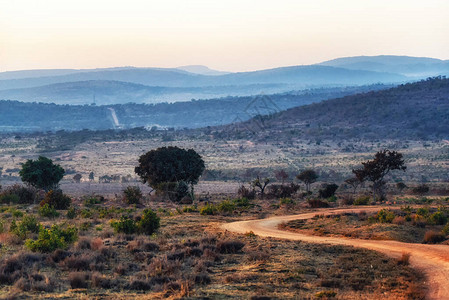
412, 111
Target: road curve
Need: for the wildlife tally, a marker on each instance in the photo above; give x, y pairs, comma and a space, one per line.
433, 260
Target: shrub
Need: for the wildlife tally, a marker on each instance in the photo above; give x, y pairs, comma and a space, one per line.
328, 190
28, 224
286, 201
317, 203
226, 206
282, 191
242, 202
93, 200
405, 259
385, 216
433, 237
132, 195
438, 218
421, 189
78, 280
246, 193
19, 194
148, 223
52, 239
71, 213
56, 199
208, 209
188, 209
124, 225
399, 220
229, 247
362, 200
422, 212
446, 229
48, 211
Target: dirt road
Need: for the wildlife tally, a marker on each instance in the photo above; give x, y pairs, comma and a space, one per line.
433, 260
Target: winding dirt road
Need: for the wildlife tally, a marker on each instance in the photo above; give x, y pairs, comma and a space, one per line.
433, 260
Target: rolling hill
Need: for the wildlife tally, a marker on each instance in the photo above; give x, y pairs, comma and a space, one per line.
417, 110
406, 65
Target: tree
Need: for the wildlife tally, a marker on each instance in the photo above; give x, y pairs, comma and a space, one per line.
308, 176
77, 178
261, 184
166, 165
375, 170
354, 182
91, 176
41, 173
281, 175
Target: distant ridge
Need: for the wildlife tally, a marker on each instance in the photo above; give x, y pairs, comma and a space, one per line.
202, 70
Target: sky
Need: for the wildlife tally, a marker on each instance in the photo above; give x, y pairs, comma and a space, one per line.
230, 35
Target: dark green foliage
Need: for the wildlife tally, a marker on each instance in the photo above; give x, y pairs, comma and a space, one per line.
132, 195
363, 200
308, 176
71, 213
385, 216
48, 211
170, 164
56, 199
208, 209
375, 170
51, 239
282, 191
124, 225
94, 200
149, 222
421, 189
438, 218
41, 173
18, 194
328, 190
27, 225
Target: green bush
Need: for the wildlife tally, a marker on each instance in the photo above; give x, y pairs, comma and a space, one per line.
208, 209
423, 212
48, 211
362, 200
124, 225
132, 195
225, 206
56, 199
2, 227
385, 216
148, 223
71, 213
28, 225
93, 200
52, 239
86, 213
242, 202
286, 201
438, 218
188, 209
9, 199
446, 229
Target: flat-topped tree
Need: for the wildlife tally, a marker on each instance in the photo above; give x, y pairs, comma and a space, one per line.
308, 176
375, 170
166, 165
42, 173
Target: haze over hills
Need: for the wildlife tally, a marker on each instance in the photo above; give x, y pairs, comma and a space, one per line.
202, 70
19, 116
404, 65
417, 110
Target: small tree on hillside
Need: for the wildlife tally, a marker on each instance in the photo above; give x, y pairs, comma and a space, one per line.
91, 176
281, 175
308, 176
375, 170
353, 182
77, 178
261, 184
168, 166
42, 173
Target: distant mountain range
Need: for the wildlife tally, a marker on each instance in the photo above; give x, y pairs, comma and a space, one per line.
417, 110
154, 85
414, 67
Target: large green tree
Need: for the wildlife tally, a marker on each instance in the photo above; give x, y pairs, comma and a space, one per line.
170, 165
42, 173
375, 170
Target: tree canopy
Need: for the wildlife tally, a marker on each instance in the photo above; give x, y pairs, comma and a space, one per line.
41, 173
170, 164
308, 176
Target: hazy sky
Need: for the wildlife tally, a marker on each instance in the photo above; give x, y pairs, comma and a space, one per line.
232, 35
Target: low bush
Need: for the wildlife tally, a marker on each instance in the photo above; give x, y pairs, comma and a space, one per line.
229, 247
94, 200
9, 199
28, 225
78, 280
286, 201
282, 191
48, 211
317, 203
132, 195
149, 223
71, 213
19, 194
433, 237
421, 189
56, 199
362, 200
246, 193
51, 239
125, 225
328, 190
385, 216
438, 218
208, 209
